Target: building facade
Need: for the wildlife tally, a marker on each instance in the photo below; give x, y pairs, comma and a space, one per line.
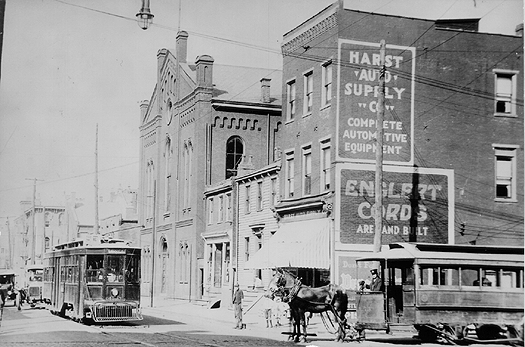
453, 132
201, 119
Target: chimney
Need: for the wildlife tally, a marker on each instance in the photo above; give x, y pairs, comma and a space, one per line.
143, 109
204, 66
265, 90
519, 30
182, 46
162, 55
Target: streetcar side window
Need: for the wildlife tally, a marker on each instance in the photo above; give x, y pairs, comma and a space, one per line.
449, 277
469, 276
428, 276
510, 278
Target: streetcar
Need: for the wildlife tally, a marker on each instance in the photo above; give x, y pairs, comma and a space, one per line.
447, 292
96, 280
34, 283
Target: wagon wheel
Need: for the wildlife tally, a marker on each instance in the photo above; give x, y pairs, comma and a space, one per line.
449, 334
515, 332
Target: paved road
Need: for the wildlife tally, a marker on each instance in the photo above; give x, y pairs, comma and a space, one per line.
38, 327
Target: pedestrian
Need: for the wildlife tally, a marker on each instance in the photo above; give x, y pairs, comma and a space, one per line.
268, 309
238, 297
376, 285
280, 309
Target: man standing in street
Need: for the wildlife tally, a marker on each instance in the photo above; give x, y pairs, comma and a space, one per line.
238, 296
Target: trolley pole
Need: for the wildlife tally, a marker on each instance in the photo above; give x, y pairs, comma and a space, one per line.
379, 151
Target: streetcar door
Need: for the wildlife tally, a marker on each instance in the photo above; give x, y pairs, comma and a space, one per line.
400, 292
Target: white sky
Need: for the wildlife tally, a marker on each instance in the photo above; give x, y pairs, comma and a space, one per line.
70, 64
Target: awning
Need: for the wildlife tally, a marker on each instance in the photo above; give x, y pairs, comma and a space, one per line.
295, 244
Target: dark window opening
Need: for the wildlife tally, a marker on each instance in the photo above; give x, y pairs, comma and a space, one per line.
234, 152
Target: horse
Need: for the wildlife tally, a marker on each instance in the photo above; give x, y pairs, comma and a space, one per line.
301, 299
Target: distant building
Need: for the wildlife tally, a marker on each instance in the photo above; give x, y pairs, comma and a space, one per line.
201, 119
30, 241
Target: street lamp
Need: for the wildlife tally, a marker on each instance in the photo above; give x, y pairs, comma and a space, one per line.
144, 17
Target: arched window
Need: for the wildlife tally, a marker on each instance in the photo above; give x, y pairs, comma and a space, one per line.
234, 152
164, 244
167, 194
47, 218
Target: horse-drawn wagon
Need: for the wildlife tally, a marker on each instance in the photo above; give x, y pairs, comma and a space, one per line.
446, 292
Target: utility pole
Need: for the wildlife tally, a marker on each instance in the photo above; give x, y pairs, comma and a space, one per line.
33, 229
96, 183
379, 151
10, 257
153, 241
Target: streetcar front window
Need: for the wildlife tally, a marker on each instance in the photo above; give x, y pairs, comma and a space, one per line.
36, 275
114, 268
133, 269
95, 268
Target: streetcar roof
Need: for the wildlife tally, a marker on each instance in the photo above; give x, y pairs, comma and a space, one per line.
34, 267
436, 252
4, 272
93, 242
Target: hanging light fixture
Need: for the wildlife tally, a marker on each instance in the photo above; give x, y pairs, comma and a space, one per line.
144, 17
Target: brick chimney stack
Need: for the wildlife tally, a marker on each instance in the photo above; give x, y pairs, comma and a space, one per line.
519, 30
265, 89
204, 66
182, 46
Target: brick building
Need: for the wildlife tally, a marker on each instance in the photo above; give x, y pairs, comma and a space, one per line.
453, 134
201, 119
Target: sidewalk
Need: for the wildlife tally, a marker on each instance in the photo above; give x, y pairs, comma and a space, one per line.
221, 321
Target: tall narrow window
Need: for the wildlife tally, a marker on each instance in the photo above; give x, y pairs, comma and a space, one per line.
290, 96
220, 212
326, 94
234, 152
47, 219
506, 171
505, 92
167, 155
274, 191
228, 207
247, 199
308, 92
247, 248
290, 173
210, 210
259, 196
325, 165
307, 170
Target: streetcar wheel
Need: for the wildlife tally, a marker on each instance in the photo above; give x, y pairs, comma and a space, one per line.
87, 321
489, 332
515, 332
427, 334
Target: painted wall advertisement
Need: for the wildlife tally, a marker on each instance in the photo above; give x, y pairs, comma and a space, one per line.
358, 101
416, 205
